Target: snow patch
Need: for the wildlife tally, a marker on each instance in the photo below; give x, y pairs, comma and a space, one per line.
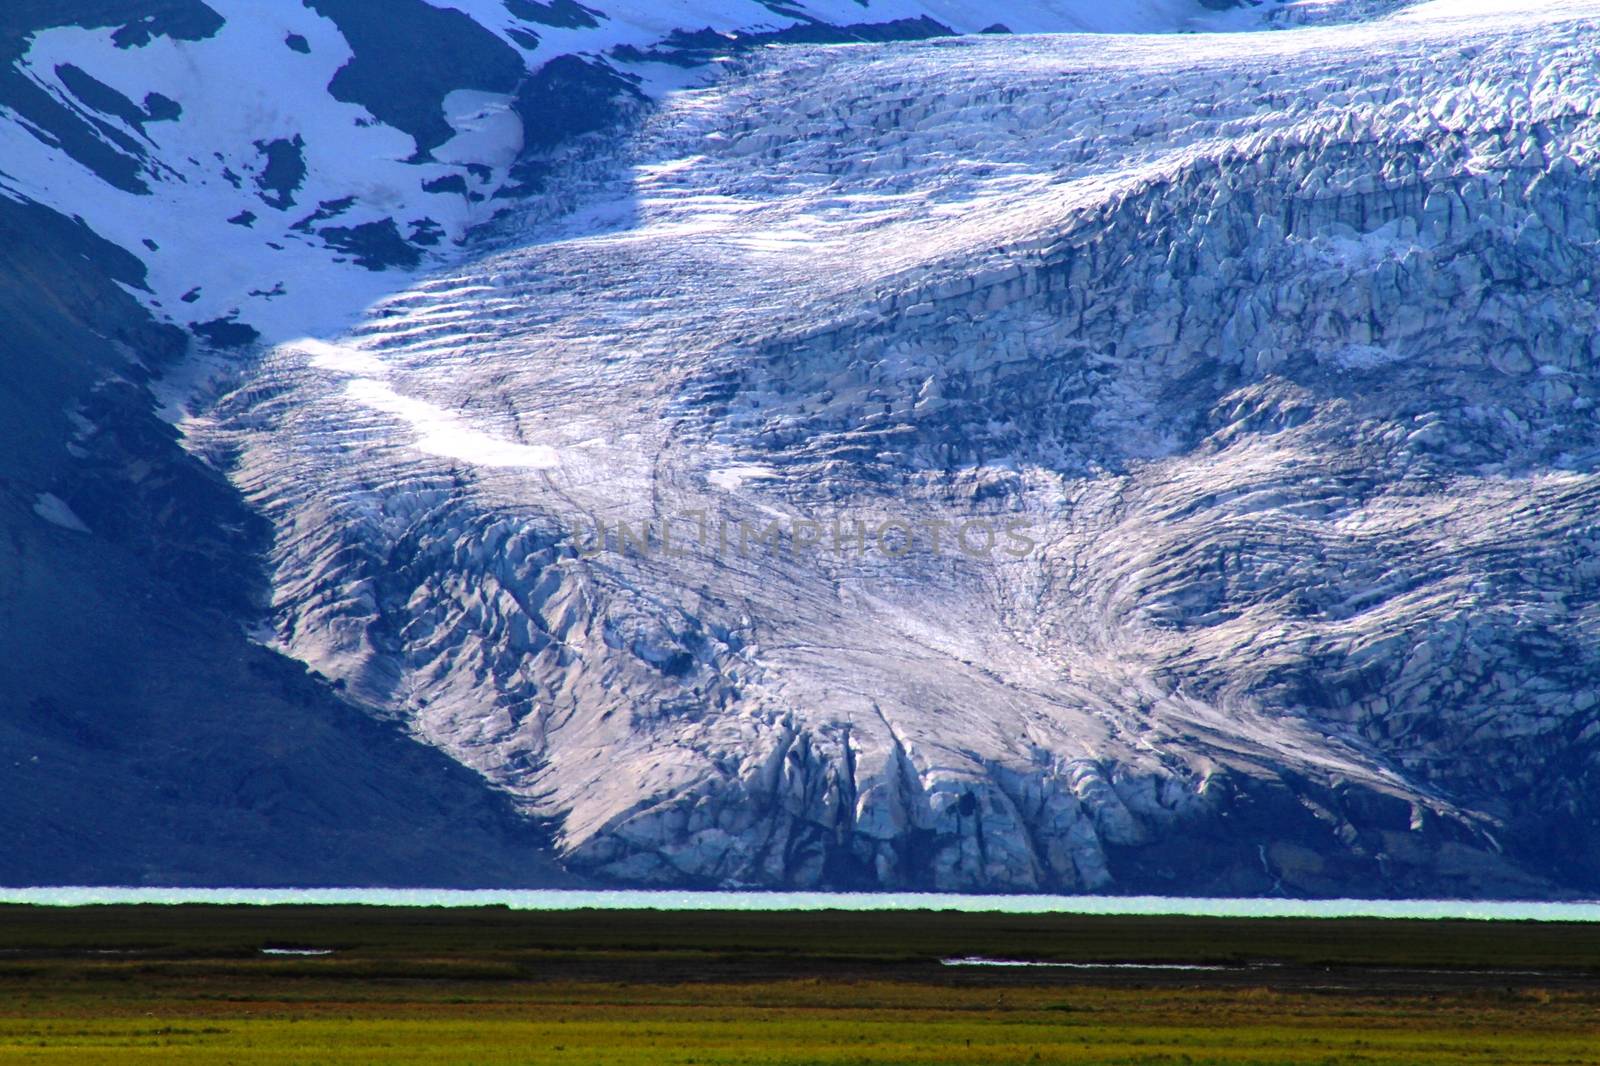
339, 358
488, 131
53, 509
445, 435
731, 478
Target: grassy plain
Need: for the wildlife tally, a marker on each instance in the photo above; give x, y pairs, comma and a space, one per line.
191, 984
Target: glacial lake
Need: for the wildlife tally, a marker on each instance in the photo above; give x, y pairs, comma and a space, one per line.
565, 899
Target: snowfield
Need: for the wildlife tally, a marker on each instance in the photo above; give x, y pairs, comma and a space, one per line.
235, 189
1277, 347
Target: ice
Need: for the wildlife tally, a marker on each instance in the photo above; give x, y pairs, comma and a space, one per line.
939, 283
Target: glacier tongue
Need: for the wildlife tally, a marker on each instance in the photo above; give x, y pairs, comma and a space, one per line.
1264, 341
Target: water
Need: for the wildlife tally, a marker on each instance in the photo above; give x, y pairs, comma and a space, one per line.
562, 900
979, 960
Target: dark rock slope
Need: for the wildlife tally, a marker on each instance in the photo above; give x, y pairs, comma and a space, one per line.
144, 738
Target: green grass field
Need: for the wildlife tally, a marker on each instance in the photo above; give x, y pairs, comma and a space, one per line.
191, 985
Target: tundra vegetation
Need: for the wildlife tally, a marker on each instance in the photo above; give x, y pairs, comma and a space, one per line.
193, 984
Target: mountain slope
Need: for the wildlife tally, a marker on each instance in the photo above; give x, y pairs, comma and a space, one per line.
1217, 407
143, 737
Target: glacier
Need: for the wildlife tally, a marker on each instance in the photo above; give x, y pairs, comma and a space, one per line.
1276, 341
